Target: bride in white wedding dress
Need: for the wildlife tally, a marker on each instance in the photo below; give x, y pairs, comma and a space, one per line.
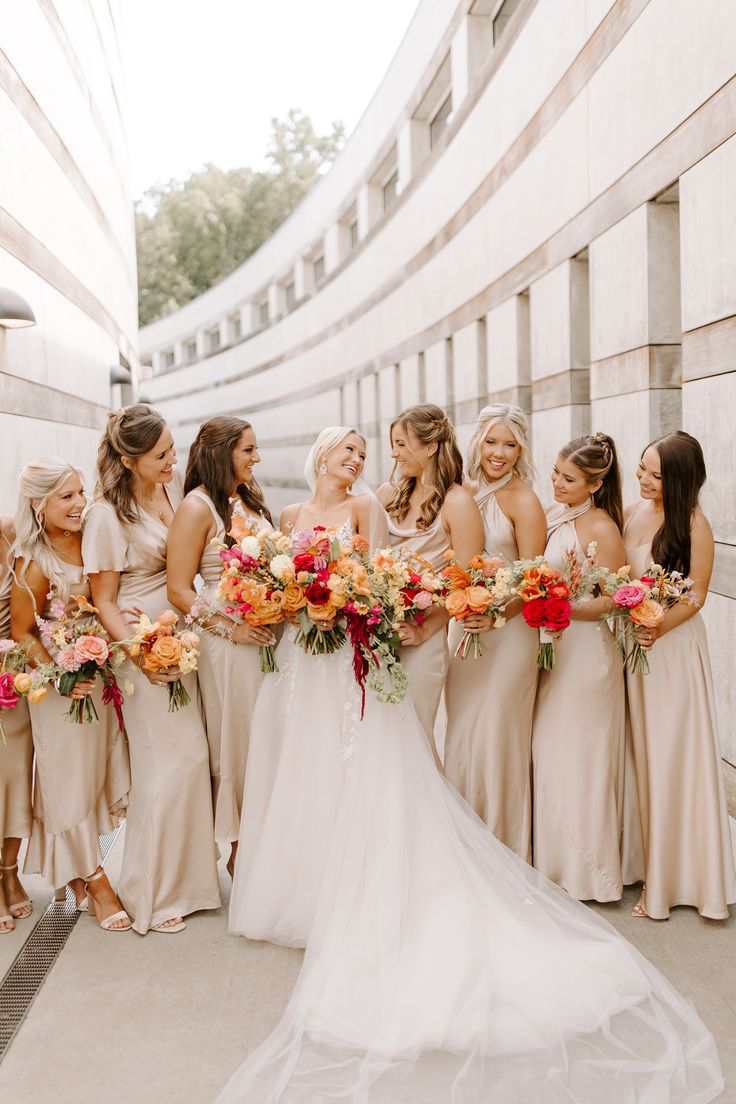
440, 968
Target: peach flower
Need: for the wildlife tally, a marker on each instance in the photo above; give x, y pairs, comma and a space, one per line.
189, 639
167, 618
457, 605
478, 599
293, 598
37, 695
91, 649
22, 682
649, 614
165, 652
84, 605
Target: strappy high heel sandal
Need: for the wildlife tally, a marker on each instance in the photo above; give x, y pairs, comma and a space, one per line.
167, 928
107, 923
21, 910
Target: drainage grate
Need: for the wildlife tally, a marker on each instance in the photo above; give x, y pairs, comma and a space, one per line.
30, 967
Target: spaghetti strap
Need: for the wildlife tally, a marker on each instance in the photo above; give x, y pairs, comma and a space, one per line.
634, 512
206, 498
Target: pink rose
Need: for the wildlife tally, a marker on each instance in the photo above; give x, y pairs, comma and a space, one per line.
8, 696
629, 596
167, 618
423, 600
91, 649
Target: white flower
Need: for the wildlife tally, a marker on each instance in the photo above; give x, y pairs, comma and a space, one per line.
128, 689
251, 546
282, 567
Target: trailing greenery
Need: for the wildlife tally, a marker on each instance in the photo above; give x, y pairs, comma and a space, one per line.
191, 233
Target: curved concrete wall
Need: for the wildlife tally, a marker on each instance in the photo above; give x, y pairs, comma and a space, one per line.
566, 241
66, 228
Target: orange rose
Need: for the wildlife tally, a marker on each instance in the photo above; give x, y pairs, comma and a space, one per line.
360, 544
165, 652
319, 614
649, 614
22, 682
167, 618
293, 598
457, 605
479, 599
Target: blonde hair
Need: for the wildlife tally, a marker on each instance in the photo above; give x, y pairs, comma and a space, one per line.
514, 418
130, 432
430, 425
38, 481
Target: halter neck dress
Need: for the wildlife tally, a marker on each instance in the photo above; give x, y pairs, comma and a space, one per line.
578, 748
169, 862
425, 664
229, 679
82, 774
16, 756
688, 855
490, 703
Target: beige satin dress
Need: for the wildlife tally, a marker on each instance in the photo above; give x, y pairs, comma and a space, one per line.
81, 778
490, 703
577, 754
169, 863
688, 855
16, 755
229, 678
425, 664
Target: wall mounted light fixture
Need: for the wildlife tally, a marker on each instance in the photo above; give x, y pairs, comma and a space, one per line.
15, 313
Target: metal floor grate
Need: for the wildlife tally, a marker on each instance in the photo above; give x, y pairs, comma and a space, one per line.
31, 966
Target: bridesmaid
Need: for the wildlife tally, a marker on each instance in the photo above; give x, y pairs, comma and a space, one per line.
169, 863
219, 480
16, 759
490, 700
578, 728
429, 512
82, 775
688, 855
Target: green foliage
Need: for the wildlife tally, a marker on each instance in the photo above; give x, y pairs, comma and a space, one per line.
189, 234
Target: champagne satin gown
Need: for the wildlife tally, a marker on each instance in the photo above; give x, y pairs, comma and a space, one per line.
688, 855
16, 755
577, 753
82, 775
230, 676
425, 664
490, 703
169, 862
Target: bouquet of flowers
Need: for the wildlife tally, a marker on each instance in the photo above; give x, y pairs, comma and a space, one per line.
258, 582
82, 650
546, 596
643, 602
163, 647
18, 680
405, 585
323, 570
484, 587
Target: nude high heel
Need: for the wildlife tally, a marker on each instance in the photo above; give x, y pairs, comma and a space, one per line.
107, 923
21, 910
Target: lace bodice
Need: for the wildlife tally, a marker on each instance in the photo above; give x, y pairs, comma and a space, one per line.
344, 532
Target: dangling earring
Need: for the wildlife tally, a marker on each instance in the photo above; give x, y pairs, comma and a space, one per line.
323, 468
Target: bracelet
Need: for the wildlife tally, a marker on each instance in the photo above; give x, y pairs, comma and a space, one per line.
219, 630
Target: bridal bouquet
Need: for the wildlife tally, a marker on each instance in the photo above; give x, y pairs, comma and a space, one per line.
405, 584
324, 571
82, 650
163, 647
642, 603
484, 587
546, 596
258, 583
18, 680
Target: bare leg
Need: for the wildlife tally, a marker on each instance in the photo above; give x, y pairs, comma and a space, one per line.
105, 901
15, 895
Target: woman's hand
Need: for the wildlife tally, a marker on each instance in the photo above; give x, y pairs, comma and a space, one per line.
82, 689
645, 637
326, 626
161, 677
261, 636
411, 635
478, 623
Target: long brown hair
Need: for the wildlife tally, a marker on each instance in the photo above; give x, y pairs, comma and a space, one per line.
430, 425
130, 432
682, 467
596, 457
210, 466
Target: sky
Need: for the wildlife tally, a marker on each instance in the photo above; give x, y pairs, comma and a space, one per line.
205, 77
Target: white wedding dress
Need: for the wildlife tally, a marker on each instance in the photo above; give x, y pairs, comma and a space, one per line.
440, 968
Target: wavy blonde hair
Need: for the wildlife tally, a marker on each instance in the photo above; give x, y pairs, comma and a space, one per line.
130, 432
430, 425
38, 481
514, 418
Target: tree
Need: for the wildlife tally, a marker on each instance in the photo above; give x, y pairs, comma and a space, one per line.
189, 234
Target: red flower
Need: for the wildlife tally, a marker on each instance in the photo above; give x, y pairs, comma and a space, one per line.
317, 595
647, 580
535, 612
557, 614
304, 561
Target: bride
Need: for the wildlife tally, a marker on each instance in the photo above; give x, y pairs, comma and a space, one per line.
440, 968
